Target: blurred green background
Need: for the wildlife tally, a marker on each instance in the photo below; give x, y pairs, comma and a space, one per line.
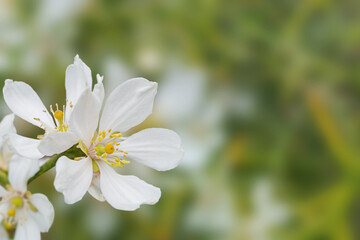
265, 95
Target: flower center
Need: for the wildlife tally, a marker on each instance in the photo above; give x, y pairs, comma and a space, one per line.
105, 146
17, 201
100, 149
59, 117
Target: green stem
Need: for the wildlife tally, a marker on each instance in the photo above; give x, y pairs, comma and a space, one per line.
70, 153
46, 167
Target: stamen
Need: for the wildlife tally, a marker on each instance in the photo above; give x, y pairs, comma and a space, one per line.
32, 207
8, 225
115, 135
11, 212
104, 145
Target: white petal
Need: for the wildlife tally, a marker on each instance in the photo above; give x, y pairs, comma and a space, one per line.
128, 105
85, 116
3, 191
95, 190
6, 152
26, 147
58, 142
77, 79
3, 234
25, 103
4, 207
157, 148
7, 125
99, 88
20, 170
44, 216
126, 192
27, 230
73, 178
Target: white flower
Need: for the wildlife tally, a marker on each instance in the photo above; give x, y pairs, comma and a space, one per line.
25, 103
127, 106
8, 137
28, 213
6, 128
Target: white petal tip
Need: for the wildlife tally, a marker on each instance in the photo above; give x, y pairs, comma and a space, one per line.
99, 78
7, 81
155, 84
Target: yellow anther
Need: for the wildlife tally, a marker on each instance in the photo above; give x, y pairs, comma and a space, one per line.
117, 160
125, 155
16, 202
8, 225
59, 115
115, 135
11, 212
102, 134
112, 164
124, 161
109, 148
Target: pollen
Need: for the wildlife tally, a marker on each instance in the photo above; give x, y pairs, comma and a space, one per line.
116, 135
109, 148
104, 146
59, 114
8, 225
11, 212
